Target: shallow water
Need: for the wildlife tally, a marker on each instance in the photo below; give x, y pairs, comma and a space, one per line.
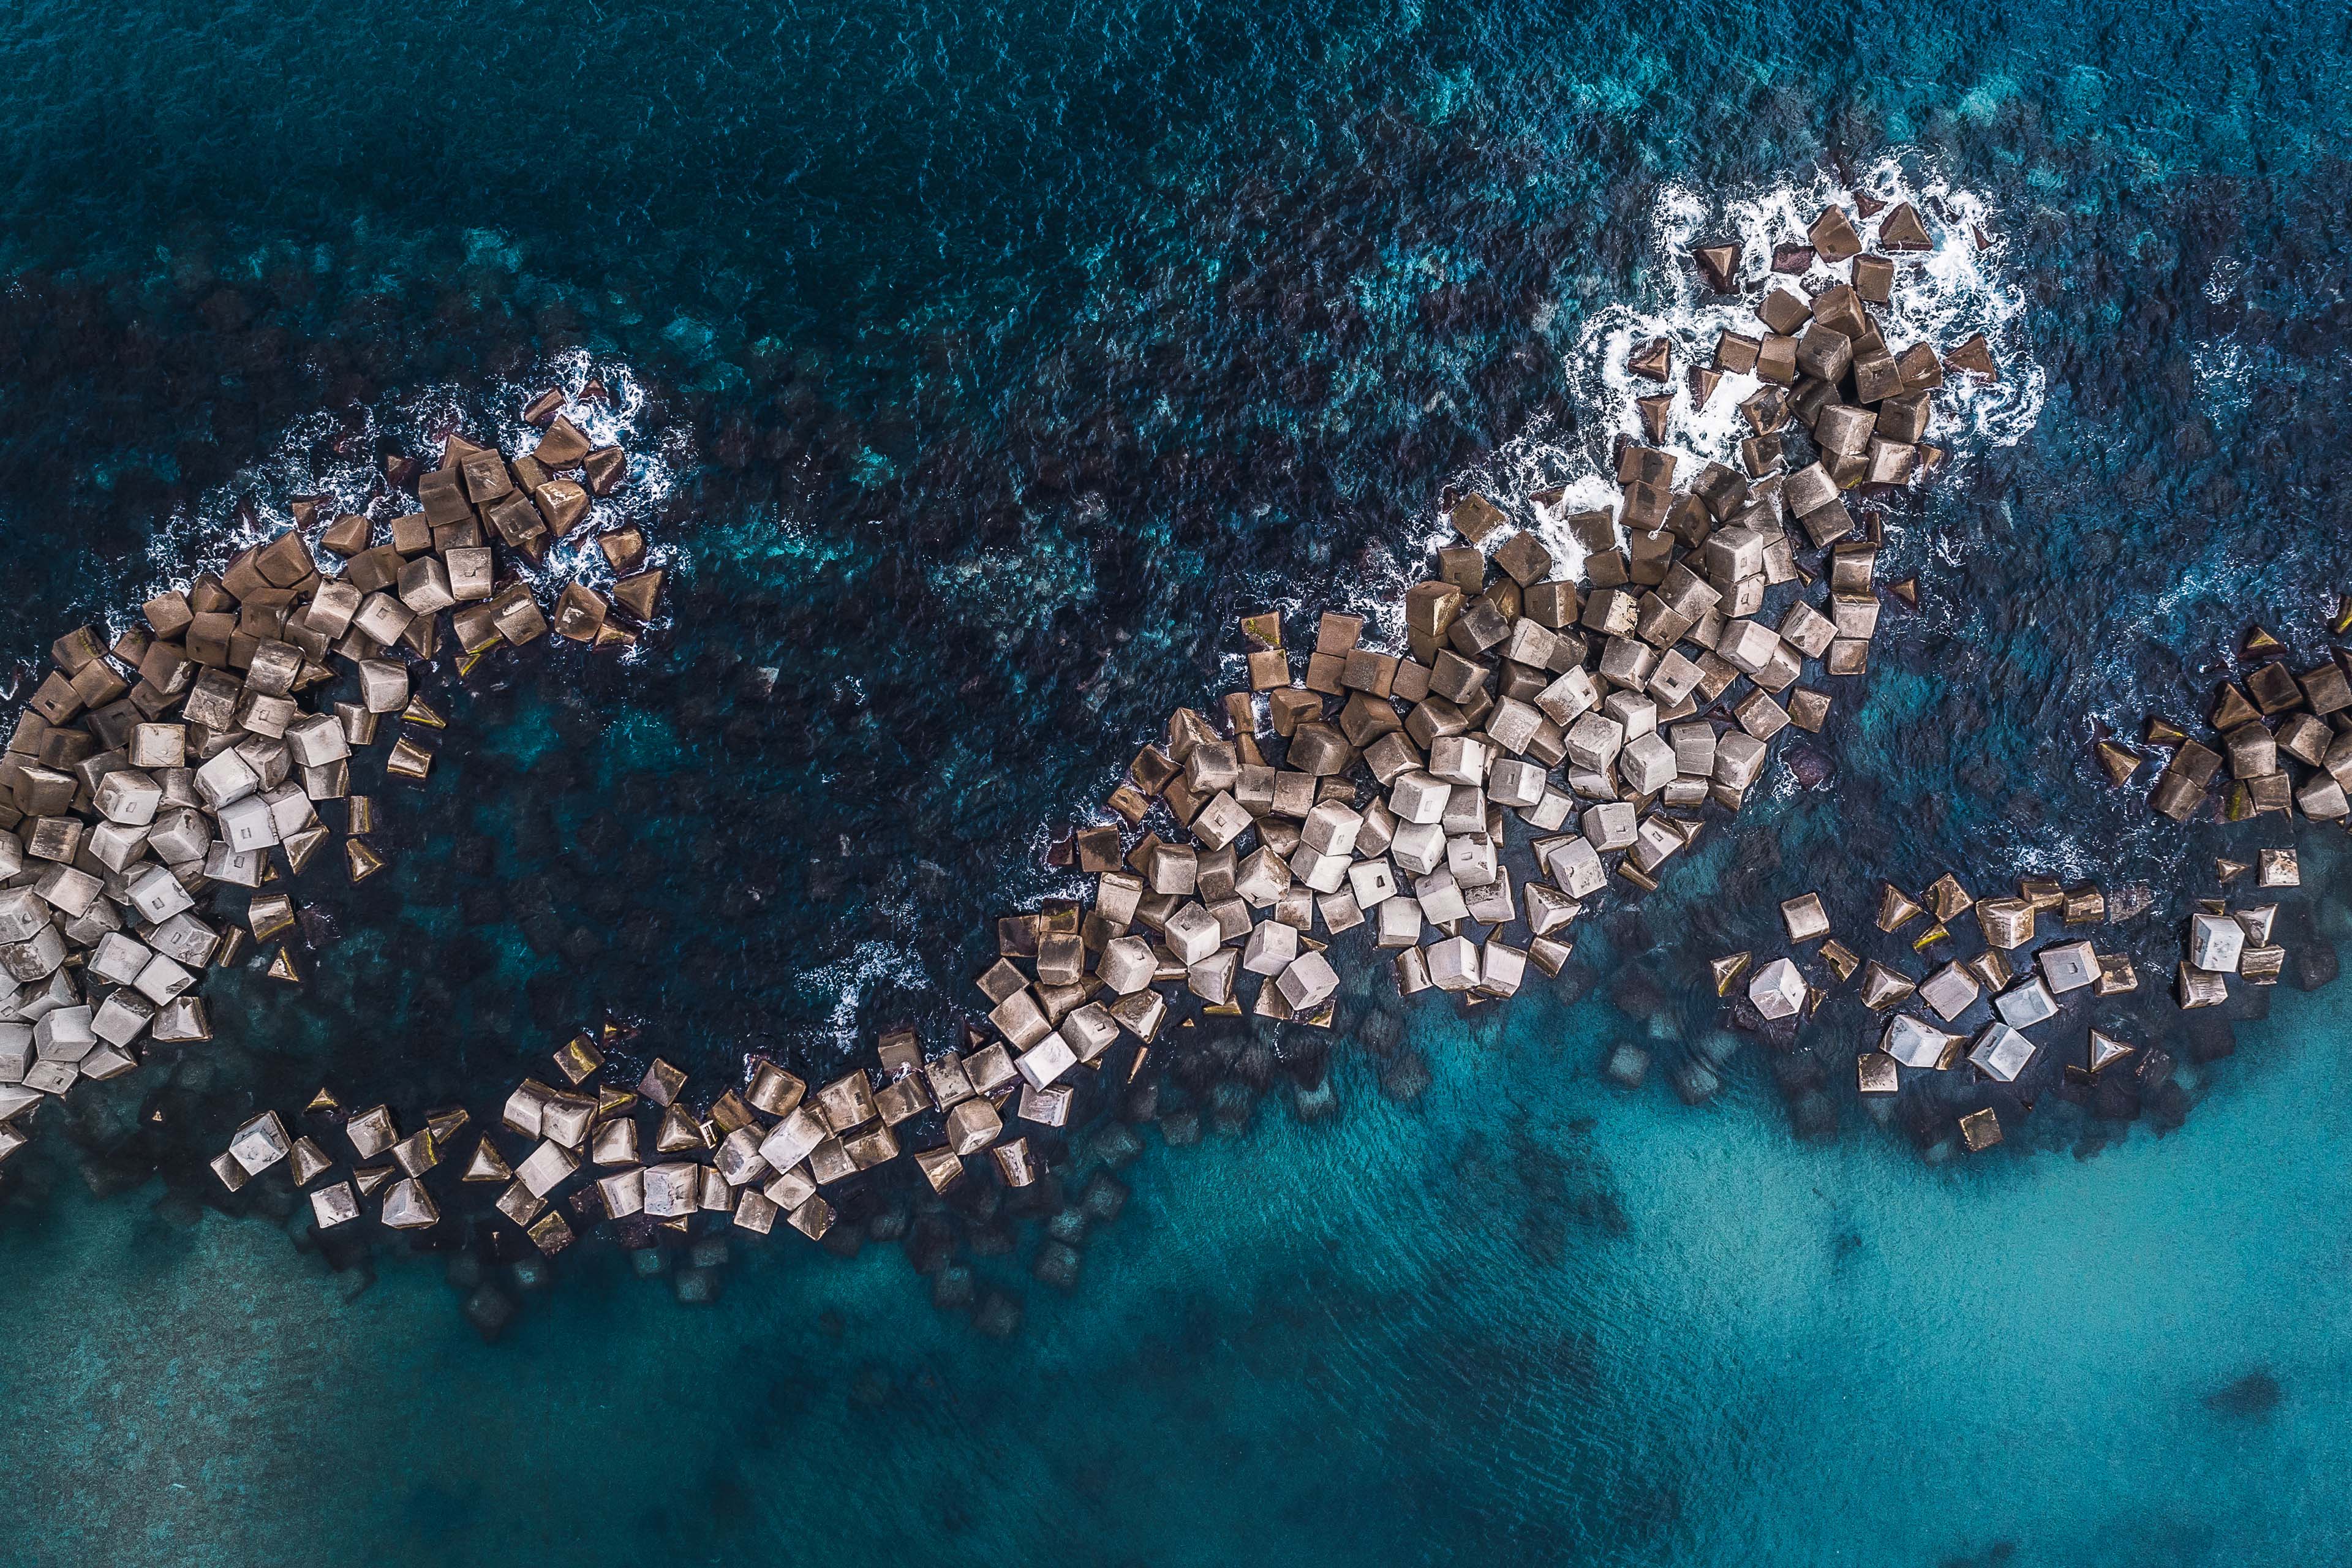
995, 360
1532, 1313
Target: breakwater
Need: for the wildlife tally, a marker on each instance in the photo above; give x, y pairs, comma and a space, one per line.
1550, 726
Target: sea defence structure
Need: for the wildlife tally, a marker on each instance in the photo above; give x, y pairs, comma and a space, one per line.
1549, 731
2034, 989
160, 790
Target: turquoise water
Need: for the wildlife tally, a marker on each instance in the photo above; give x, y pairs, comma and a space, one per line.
1531, 1314
996, 360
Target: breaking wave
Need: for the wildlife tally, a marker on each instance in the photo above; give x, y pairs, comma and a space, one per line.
1961, 286
334, 457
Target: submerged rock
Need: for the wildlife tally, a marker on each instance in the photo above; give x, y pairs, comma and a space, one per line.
1405, 1077
490, 1310
1627, 1066
2256, 1394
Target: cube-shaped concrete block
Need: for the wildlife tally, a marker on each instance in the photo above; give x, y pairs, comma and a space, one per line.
1397, 923
122, 1017
1270, 948
1125, 967
1777, 990
2216, 942
1193, 933
2067, 966
1575, 868
1740, 759
248, 827
157, 894
225, 778
1418, 848
130, 796
1516, 784
1610, 825
2001, 1052
1595, 740
1439, 898
1453, 963
384, 685
1914, 1044
1647, 765
2026, 1003
316, 740
1331, 827
1308, 981
1460, 759
1044, 1062
1951, 991
1569, 697
1419, 797
1372, 882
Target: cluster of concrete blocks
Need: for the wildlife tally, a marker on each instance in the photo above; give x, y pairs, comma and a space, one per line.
1463, 798
2222, 941
162, 787
1980, 1011
2284, 736
1820, 361
586, 1148
1589, 723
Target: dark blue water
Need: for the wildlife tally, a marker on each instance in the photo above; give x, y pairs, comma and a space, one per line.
1000, 359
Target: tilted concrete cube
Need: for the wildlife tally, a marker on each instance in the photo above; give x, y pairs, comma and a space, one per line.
1271, 947
226, 778
1516, 784
316, 740
1595, 740
2068, 965
1397, 923
1740, 759
157, 895
2026, 1003
1647, 765
1748, 646
2216, 942
1438, 896
248, 826
1914, 1044
2001, 1052
1047, 1061
1777, 990
1949, 990
1569, 697
1125, 966
1453, 963
1308, 981
260, 1144
1373, 882
1330, 827
1471, 857
1575, 868
1191, 933
1460, 759
130, 796
1418, 848
383, 686
1263, 878
1610, 826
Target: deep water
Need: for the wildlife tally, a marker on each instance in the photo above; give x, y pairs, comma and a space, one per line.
998, 360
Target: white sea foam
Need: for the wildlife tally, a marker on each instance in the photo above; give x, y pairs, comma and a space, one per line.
1957, 288
850, 978
256, 503
1940, 298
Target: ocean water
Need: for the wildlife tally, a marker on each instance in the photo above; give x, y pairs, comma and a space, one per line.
985, 366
